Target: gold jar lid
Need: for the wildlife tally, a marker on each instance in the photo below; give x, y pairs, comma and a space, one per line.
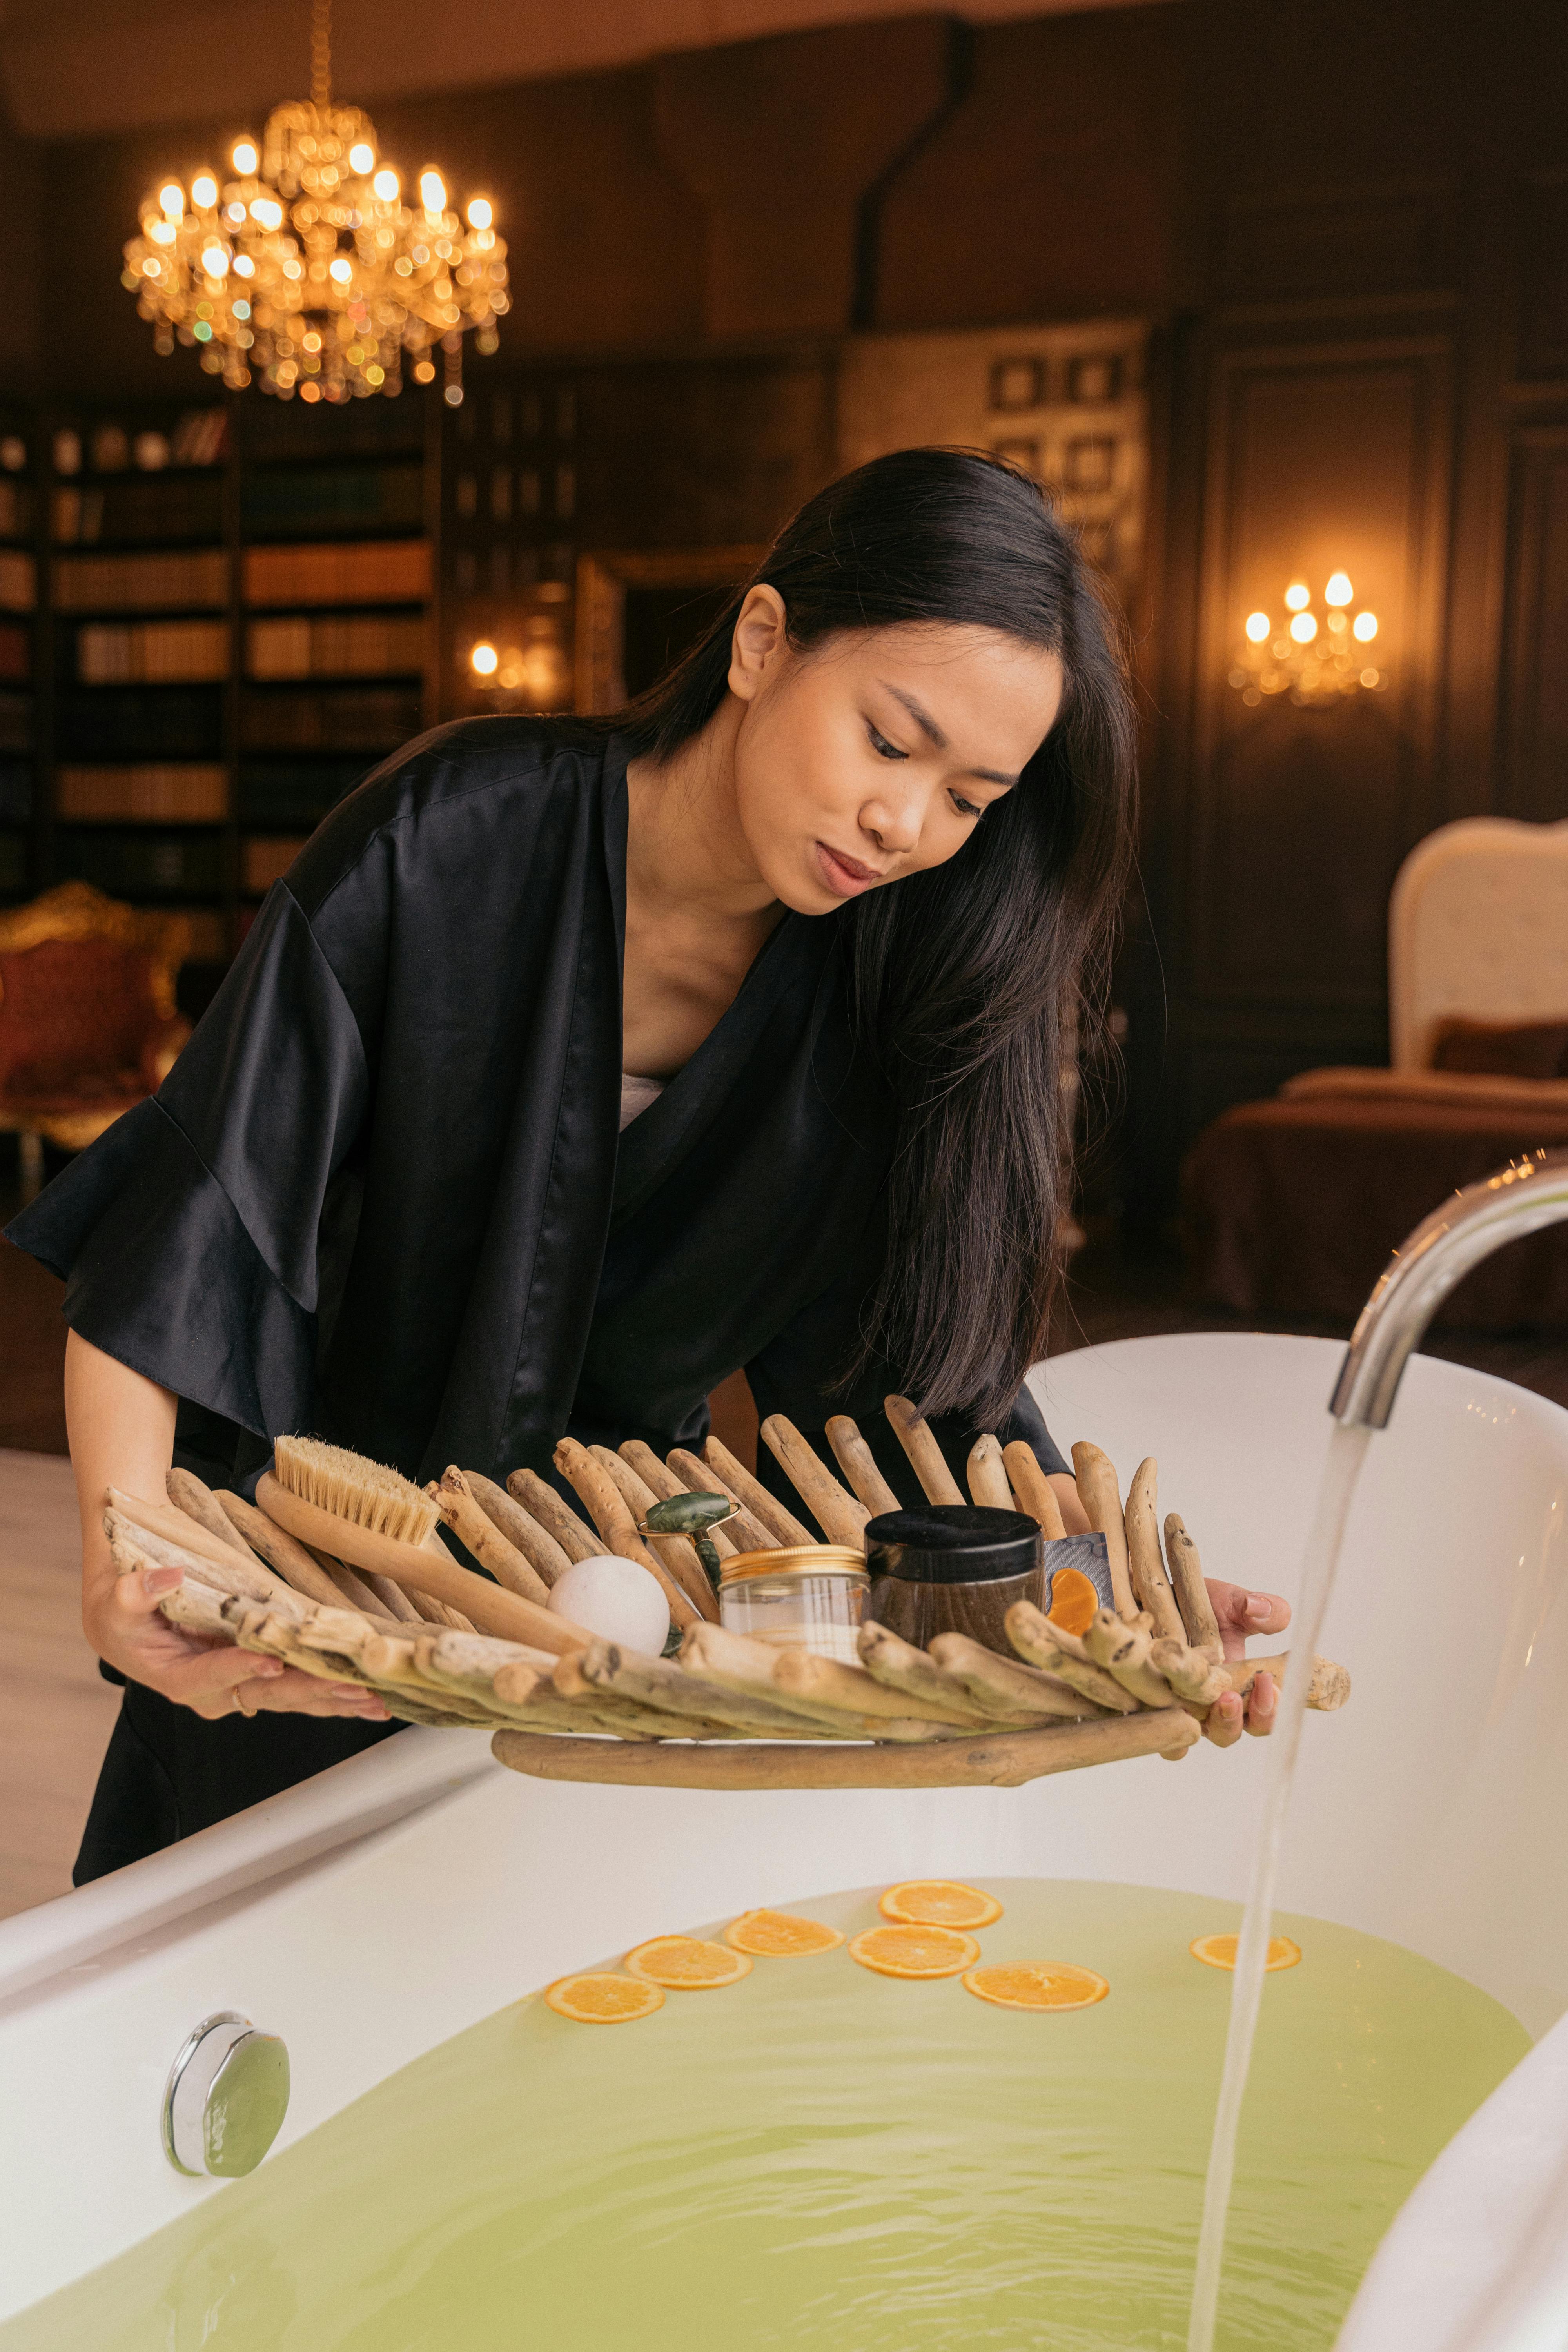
793, 1559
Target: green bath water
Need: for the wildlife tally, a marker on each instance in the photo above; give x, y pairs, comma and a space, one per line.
818, 2155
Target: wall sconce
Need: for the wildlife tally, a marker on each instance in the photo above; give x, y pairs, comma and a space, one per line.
1317, 663
538, 673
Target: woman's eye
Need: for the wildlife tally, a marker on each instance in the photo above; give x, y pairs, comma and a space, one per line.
966, 808
880, 744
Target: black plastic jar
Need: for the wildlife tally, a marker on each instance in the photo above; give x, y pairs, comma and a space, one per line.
952, 1567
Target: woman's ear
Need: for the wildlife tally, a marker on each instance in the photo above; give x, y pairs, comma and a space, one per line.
759, 640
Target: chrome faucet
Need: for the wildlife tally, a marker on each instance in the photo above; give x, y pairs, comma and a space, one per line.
1521, 1199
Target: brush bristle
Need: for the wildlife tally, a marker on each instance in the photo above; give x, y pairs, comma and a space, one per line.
366, 1494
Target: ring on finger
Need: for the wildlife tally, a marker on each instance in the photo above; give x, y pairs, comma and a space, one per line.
248, 1712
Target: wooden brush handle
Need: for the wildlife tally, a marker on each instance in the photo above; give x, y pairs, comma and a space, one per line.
520, 1528
987, 1476
480, 1536
753, 1496
1146, 1568
840, 1517
859, 1464
664, 1486
1198, 1620
418, 1569
914, 1434
678, 1553
537, 1496
1100, 1494
1034, 1493
612, 1517
749, 1534
1004, 1760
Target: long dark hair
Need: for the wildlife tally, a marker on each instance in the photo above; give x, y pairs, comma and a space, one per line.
973, 982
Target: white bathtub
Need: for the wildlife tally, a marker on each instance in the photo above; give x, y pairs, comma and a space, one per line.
401, 1897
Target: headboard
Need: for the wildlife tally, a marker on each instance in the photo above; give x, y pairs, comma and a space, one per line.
1477, 927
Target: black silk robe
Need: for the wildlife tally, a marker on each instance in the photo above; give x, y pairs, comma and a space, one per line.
381, 1196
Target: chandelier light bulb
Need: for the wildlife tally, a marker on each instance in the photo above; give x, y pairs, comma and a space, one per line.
386, 185
172, 196
1298, 596
1304, 628
432, 191
203, 192
1258, 626
1366, 626
266, 211
362, 157
215, 261
243, 266
341, 270
1339, 590
162, 232
484, 660
479, 213
244, 156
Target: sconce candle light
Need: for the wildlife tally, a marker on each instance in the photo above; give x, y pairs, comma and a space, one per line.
1317, 663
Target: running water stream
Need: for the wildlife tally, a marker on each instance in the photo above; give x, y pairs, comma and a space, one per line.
1347, 1451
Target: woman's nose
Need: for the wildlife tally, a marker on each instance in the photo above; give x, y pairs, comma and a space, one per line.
893, 822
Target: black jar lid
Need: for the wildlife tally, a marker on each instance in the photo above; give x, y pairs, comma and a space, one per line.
951, 1543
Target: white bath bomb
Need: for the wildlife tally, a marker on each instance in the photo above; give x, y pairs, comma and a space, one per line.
616, 1599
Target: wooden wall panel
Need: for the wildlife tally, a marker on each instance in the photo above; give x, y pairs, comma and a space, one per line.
1534, 735
1320, 456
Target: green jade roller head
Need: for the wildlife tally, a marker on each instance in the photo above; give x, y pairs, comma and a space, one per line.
692, 1514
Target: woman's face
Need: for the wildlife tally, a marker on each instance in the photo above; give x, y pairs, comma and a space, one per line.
879, 752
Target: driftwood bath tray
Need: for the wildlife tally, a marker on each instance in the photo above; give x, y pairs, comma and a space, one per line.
338, 1570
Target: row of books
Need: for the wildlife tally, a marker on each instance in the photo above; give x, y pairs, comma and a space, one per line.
16, 651
15, 721
373, 571
347, 719
369, 644
134, 864
114, 652
199, 438
179, 506
15, 509
321, 498
265, 859
147, 792
18, 581
147, 722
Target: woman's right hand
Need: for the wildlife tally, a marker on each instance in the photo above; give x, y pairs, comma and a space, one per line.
122, 1622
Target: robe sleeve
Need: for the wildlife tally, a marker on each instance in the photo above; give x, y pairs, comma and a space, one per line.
800, 1373
188, 1236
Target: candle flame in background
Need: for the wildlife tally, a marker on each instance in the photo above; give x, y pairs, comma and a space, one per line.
1312, 661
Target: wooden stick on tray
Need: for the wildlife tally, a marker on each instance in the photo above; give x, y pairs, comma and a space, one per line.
745, 1530
559, 1522
841, 1517
987, 1476
678, 1553
1122, 1649
1100, 1495
612, 1515
915, 1434
753, 1497
480, 1536
901, 1668
859, 1464
1033, 1489
1004, 1685
1045, 1644
1146, 1569
661, 1481
521, 1528
280, 1551
1004, 1760
419, 1570
1198, 1620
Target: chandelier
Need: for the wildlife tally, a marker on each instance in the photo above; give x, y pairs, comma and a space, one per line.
1316, 663
308, 272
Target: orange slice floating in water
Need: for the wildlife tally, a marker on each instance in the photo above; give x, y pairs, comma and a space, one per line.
779, 1936
1036, 1984
939, 1902
687, 1963
1073, 1601
603, 1998
1219, 1951
906, 1951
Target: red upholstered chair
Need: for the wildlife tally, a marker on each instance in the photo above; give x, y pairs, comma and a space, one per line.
88, 1023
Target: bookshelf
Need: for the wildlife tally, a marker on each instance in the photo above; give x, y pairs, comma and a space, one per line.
214, 621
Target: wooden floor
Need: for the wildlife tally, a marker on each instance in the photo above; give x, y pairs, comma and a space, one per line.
55, 1712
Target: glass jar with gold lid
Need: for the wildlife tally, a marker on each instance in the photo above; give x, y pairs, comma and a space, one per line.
797, 1597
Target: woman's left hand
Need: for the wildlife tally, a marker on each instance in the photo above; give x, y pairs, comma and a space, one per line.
1240, 1612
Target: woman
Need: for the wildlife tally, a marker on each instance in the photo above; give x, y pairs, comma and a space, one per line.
804, 923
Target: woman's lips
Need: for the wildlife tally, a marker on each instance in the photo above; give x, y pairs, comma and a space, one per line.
844, 876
